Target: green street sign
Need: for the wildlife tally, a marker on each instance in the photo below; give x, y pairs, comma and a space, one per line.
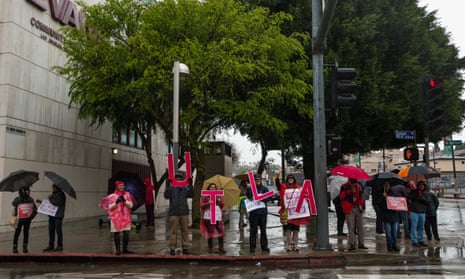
453, 142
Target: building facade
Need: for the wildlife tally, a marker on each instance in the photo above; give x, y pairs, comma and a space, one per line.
39, 130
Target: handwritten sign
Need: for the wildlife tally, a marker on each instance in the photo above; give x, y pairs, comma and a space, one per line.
396, 203
47, 208
25, 210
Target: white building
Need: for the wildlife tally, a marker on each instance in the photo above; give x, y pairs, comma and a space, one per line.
38, 129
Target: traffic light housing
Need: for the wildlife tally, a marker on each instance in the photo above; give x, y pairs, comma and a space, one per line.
343, 87
411, 154
434, 99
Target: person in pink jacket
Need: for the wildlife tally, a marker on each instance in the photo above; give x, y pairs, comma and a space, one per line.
118, 205
208, 229
353, 206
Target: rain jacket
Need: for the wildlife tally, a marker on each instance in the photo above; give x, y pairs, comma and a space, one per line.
120, 213
58, 198
347, 198
417, 202
207, 229
178, 199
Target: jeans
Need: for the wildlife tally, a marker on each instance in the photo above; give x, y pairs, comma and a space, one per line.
417, 227
405, 222
391, 230
55, 225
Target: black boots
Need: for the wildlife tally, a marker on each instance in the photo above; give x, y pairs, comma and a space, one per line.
117, 243
125, 244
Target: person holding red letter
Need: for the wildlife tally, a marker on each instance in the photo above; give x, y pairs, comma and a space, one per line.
118, 205
352, 205
257, 216
208, 229
289, 194
179, 213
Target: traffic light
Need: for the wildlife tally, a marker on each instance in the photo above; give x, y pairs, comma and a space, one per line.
433, 94
411, 154
334, 147
343, 87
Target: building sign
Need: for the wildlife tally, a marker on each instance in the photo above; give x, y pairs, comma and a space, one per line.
64, 11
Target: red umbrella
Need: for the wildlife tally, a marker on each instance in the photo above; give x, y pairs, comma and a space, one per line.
350, 172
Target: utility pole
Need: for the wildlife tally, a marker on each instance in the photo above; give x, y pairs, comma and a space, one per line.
320, 27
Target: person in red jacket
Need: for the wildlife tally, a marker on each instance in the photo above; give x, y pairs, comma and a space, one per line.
353, 207
149, 203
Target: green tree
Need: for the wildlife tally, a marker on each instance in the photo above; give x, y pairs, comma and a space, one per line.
241, 68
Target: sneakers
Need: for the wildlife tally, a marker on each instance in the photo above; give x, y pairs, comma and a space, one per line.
58, 249
422, 244
172, 252
48, 249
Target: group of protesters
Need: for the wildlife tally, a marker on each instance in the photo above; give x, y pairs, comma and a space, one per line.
394, 201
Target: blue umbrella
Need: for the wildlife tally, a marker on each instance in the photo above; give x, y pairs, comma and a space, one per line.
133, 184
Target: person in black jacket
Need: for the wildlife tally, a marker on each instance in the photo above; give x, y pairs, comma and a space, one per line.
257, 218
431, 223
390, 218
58, 199
417, 205
25, 210
179, 214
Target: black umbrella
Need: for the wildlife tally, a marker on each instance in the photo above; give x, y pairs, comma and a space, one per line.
61, 183
18, 179
133, 184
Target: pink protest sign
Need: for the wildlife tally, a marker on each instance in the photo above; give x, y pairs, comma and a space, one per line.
396, 203
253, 186
213, 207
171, 174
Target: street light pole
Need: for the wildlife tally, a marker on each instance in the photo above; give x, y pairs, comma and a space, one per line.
178, 68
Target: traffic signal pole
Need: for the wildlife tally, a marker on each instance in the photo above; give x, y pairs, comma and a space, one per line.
320, 26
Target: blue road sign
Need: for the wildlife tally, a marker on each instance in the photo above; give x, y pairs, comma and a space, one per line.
404, 134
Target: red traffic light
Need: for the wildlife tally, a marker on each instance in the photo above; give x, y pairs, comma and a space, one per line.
435, 82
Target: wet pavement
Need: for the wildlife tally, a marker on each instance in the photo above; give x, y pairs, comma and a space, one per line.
87, 241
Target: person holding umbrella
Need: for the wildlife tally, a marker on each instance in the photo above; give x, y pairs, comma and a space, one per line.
58, 199
25, 210
353, 206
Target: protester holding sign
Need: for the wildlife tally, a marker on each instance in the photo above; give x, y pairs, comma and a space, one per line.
292, 219
25, 210
390, 218
55, 222
179, 212
257, 214
210, 228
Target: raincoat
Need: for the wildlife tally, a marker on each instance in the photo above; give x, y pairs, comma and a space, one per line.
207, 229
119, 213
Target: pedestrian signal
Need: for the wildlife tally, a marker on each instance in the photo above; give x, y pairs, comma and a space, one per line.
411, 154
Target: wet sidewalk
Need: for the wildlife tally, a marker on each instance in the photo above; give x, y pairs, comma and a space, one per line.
87, 241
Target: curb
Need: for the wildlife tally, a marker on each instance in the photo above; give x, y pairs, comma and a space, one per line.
313, 260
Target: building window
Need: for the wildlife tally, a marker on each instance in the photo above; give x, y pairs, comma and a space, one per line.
127, 137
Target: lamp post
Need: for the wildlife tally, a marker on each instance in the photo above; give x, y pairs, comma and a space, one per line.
178, 68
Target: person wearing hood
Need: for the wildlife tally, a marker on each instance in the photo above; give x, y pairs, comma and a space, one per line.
431, 222
149, 203
291, 227
25, 210
119, 205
